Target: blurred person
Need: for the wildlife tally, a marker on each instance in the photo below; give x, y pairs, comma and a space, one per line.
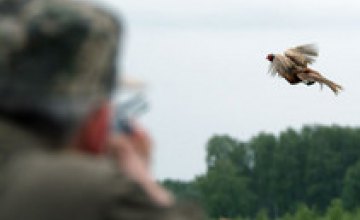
57, 72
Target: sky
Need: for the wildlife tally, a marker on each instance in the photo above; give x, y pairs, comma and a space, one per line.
255, 12
204, 63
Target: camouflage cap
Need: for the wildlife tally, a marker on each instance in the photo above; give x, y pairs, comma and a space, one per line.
56, 56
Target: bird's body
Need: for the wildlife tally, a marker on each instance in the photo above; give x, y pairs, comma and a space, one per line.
293, 66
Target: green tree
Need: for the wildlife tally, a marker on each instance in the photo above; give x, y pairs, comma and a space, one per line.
183, 190
225, 187
224, 193
219, 148
289, 169
263, 181
262, 215
310, 166
287, 216
335, 211
304, 213
351, 191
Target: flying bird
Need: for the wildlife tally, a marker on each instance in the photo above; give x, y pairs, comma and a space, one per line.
293, 66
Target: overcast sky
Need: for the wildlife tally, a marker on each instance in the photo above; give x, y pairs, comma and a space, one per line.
204, 61
254, 12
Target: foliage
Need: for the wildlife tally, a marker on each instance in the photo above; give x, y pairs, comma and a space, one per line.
351, 192
304, 213
262, 215
310, 167
335, 211
183, 190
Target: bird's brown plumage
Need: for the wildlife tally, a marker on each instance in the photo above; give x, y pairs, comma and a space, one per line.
293, 66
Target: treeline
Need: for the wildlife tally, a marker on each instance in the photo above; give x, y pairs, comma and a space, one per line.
278, 174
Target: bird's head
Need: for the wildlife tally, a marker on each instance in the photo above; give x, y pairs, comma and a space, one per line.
270, 57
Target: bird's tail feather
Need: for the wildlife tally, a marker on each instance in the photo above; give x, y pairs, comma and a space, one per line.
316, 76
336, 88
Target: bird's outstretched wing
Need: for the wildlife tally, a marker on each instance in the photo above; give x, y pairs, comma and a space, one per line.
281, 65
303, 55
317, 77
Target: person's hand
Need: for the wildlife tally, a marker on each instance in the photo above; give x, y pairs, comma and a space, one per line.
133, 153
141, 141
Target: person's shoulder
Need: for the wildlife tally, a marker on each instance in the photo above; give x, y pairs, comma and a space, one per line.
63, 172
94, 186
60, 185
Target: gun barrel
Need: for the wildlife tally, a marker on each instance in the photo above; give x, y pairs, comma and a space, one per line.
127, 110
